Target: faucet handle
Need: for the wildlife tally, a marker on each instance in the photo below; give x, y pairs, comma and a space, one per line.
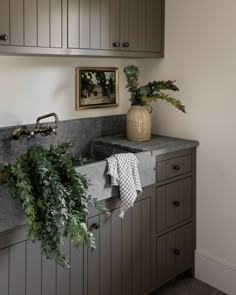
32, 134
54, 131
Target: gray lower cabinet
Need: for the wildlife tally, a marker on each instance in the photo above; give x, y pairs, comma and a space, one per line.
152, 244
26, 26
122, 262
23, 270
120, 27
175, 238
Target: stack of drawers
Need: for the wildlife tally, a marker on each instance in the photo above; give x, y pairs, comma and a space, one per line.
175, 214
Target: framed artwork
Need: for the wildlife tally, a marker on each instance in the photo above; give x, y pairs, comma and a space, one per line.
96, 88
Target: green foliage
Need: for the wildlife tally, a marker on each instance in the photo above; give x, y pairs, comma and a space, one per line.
143, 95
54, 198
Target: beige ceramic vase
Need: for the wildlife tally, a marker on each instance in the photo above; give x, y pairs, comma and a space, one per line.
138, 123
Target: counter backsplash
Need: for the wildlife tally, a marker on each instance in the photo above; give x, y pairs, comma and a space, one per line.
80, 131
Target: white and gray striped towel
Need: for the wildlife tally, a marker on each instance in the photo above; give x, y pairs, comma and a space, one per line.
123, 169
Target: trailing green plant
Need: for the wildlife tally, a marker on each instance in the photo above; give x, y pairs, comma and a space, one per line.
54, 198
143, 95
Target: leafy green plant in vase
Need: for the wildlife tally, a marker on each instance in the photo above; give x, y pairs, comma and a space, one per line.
138, 121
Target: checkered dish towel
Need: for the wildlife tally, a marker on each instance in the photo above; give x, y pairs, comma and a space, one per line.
123, 169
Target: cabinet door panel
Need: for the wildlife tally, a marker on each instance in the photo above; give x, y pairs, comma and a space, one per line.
43, 23
154, 25
84, 24
116, 253
55, 23
115, 23
105, 255
73, 24
124, 23
137, 247
95, 24
16, 22
17, 267
146, 244
184, 242
48, 277
93, 270
142, 27
133, 25
33, 267
165, 257
77, 270
127, 254
4, 271
106, 24
30, 22
4, 20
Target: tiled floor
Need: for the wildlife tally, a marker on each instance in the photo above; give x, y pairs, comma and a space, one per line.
186, 285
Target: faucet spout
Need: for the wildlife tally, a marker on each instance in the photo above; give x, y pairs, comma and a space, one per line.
47, 116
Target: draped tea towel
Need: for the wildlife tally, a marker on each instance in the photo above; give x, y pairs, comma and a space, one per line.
123, 169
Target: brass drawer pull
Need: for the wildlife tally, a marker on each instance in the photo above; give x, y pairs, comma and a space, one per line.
177, 252
95, 225
3, 37
176, 167
116, 44
176, 203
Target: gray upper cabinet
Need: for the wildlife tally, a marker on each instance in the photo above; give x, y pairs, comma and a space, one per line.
33, 26
132, 28
113, 28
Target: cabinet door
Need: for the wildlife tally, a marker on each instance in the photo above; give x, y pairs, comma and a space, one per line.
89, 24
121, 262
141, 25
23, 270
32, 23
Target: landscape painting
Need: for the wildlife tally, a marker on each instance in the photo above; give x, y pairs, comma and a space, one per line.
96, 87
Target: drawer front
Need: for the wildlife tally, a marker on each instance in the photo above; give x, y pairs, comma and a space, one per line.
174, 203
173, 167
174, 253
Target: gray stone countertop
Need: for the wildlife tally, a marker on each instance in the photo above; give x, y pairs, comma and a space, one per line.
157, 145
12, 215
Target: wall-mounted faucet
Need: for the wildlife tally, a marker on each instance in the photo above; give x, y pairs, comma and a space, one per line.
44, 131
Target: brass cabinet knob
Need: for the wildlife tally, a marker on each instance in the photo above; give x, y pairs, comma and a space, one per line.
176, 167
125, 44
95, 225
176, 203
177, 252
3, 37
116, 44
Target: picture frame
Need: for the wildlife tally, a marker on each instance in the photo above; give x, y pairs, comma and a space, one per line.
96, 87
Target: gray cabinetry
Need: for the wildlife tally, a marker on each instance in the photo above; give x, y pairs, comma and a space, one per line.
121, 264
152, 244
116, 27
175, 215
32, 26
23, 270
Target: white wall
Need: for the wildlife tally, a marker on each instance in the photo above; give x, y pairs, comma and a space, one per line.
32, 86
200, 54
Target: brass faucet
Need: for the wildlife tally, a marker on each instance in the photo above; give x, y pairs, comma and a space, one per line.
44, 131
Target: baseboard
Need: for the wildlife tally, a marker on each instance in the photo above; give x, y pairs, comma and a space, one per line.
215, 272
